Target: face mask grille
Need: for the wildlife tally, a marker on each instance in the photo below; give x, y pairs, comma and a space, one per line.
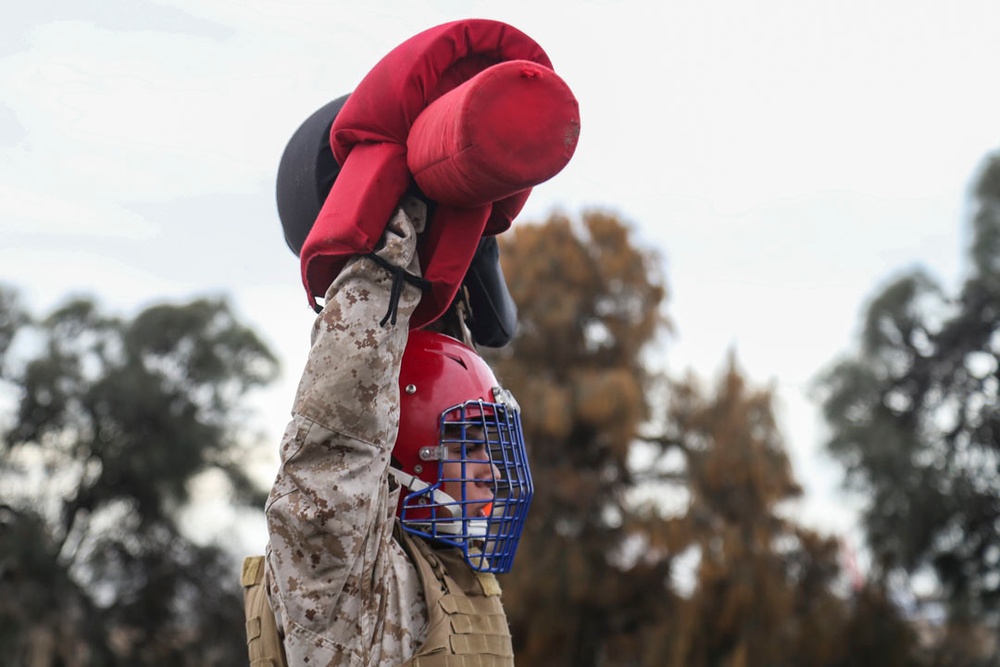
484, 488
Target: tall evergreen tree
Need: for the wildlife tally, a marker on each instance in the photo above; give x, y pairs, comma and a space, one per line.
764, 589
915, 419
589, 304
596, 581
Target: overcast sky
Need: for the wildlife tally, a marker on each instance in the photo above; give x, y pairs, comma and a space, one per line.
785, 158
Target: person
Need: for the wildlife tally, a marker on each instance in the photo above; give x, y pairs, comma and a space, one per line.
402, 489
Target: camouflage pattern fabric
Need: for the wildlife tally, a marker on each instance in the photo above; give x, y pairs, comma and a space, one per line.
342, 589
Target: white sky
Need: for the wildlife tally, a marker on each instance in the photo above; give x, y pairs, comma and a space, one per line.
786, 157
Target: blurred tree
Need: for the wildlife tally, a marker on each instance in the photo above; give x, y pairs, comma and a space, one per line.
589, 303
597, 575
916, 421
764, 589
112, 420
741, 612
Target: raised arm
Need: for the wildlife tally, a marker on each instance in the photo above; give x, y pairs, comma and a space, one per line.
329, 514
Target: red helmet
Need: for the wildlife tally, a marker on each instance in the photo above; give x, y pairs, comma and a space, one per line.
459, 452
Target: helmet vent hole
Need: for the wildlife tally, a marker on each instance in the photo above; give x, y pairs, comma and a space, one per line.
458, 360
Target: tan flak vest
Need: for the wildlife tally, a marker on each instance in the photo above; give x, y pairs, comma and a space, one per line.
466, 624
263, 641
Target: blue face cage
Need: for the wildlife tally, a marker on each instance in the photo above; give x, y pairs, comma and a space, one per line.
481, 446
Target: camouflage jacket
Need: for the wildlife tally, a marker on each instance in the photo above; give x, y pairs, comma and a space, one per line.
342, 589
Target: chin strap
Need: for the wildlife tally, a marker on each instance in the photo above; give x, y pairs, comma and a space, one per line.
474, 528
415, 484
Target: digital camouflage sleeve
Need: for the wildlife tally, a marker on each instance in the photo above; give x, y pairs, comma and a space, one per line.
342, 589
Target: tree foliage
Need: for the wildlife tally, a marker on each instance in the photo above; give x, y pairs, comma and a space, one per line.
915, 419
111, 420
598, 577
589, 302
765, 590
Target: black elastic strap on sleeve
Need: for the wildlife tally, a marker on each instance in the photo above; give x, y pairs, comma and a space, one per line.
399, 276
